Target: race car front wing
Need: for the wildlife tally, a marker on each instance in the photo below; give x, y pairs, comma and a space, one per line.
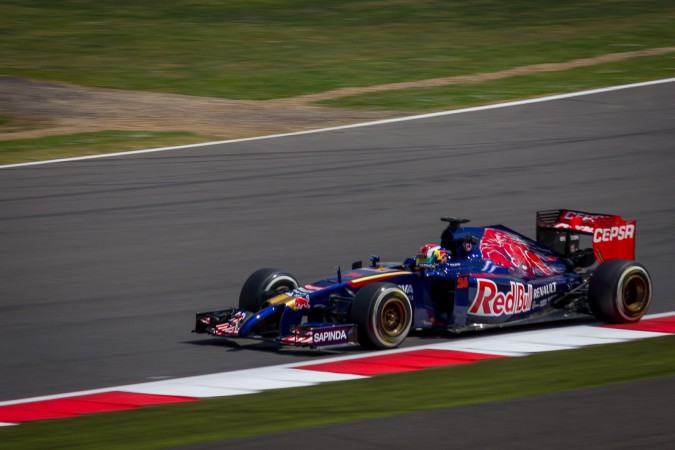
229, 323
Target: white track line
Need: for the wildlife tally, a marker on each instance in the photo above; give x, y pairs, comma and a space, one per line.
659, 315
357, 125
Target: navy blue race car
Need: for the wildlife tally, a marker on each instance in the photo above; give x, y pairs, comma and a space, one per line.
581, 264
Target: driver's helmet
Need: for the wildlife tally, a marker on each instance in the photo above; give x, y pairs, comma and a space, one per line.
431, 255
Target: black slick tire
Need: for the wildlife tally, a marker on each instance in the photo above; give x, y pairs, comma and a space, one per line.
383, 314
262, 285
620, 291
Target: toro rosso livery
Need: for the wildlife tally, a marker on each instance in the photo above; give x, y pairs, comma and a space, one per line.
580, 264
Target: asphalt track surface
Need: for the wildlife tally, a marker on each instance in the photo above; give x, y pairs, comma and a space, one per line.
105, 261
621, 416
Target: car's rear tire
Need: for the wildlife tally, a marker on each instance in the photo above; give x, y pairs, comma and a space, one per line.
620, 291
262, 285
383, 314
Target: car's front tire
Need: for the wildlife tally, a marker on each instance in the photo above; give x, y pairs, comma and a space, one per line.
383, 314
262, 285
620, 291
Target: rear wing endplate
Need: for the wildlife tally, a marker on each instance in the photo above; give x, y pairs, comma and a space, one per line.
613, 237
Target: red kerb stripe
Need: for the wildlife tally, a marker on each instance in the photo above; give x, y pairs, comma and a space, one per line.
83, 404
658, 325
399, 362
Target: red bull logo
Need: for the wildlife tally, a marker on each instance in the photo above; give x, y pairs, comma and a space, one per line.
490, 302
509, 251
299, 303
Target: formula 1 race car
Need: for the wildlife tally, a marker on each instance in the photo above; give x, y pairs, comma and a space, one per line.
580, 265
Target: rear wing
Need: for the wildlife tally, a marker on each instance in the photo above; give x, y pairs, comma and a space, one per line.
611, 237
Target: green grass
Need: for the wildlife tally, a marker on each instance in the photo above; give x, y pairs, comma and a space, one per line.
64, 146
287, 409
262, 49
516, 87
265, 49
